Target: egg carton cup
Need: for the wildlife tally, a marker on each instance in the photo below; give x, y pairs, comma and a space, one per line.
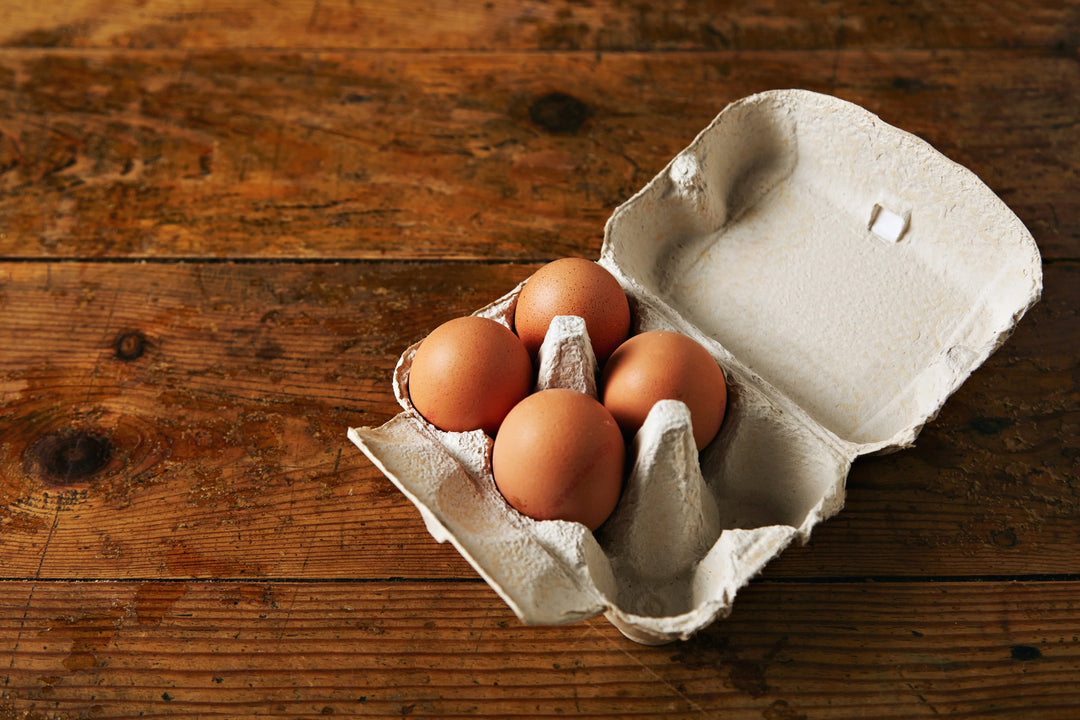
846, 276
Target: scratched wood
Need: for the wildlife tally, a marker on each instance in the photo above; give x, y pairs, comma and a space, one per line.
201, 398
788, 651
538, 24
187, 420
261, 154
184, 529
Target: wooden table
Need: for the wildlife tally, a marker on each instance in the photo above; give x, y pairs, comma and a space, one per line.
222, 222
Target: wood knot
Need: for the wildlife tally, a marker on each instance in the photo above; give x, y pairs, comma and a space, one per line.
1025, 653
558, 113
69, 456
129, 345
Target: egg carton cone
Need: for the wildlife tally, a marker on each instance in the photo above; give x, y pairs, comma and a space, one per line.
846, 276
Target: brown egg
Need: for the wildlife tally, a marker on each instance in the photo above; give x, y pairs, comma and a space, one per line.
559, 456
662, 365
468, 373
573, 286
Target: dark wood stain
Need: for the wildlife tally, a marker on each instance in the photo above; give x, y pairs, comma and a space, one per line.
1025, 653
71, 455
558, 113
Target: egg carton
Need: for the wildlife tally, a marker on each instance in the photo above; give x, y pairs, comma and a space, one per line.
846, 276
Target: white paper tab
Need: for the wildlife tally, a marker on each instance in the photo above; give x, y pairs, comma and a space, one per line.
887, 225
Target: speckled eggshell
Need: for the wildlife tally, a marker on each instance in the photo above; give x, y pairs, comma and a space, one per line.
573, 286
468, 373
663, 365
559, 456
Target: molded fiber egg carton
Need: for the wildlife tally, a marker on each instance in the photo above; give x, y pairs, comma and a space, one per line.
846, 276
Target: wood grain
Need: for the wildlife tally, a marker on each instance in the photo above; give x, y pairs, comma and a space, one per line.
222, 221
258, 154
788, 651
230, 409
211, 401
539, 25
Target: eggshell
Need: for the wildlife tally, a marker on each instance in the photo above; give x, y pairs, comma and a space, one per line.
573, 286
664, 365
468, 373
559, 456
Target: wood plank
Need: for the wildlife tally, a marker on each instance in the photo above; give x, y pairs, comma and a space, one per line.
256, 154
238, 401
535, 24
173, 420
788, 651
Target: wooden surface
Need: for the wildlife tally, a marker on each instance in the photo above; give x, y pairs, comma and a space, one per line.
222, 222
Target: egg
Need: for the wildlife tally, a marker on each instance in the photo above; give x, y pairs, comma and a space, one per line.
573, 286
468, 373
664, 365
559, 455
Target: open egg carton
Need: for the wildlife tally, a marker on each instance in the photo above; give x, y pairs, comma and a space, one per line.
846, 276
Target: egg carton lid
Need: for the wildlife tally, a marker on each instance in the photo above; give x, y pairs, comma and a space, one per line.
841, 263
848, 278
